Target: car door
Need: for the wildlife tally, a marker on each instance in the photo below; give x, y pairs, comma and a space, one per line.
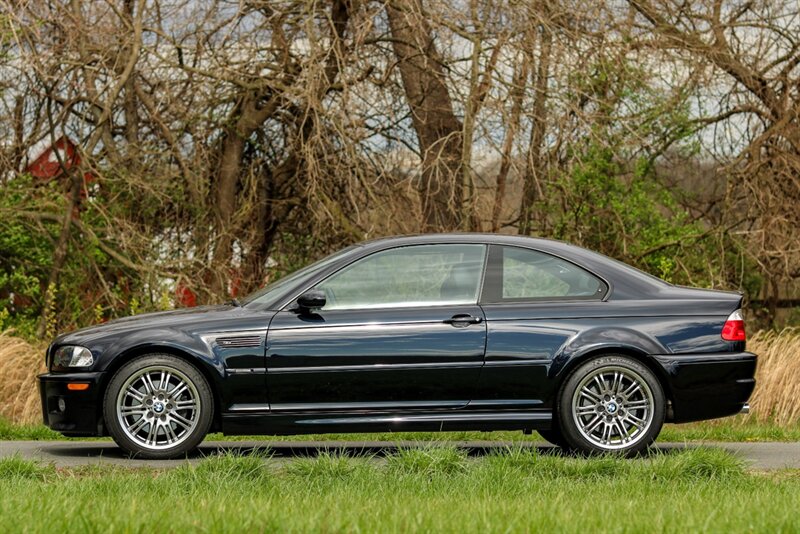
534, 303
401, 329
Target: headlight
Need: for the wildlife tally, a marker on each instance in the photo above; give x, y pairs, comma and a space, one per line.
72, 356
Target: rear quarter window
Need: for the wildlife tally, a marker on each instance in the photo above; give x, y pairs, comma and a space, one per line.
522, 274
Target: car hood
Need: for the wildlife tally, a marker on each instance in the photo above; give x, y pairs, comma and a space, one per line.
175, 319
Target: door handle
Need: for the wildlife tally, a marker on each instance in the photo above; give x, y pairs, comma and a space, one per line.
463, 319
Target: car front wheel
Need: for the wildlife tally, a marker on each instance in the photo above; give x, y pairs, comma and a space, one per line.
611, 404
158, 406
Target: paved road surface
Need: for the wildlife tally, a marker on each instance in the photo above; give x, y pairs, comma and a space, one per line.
75, 453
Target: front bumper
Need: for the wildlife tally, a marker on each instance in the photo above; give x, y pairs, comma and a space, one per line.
73, 413
707, 386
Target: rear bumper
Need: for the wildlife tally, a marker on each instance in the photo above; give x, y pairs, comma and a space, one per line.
73, 413
707, 386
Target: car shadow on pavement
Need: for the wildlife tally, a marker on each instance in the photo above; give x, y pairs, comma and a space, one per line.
382, 449
311, 449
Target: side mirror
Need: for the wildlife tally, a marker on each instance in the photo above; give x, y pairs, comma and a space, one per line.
313, 299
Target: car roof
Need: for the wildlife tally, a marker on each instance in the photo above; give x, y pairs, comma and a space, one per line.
459, 237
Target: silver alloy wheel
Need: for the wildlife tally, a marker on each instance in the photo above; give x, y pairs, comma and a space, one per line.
613, 407
158, 407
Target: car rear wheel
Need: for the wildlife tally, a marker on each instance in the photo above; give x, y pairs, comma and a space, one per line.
611, 404
158, 406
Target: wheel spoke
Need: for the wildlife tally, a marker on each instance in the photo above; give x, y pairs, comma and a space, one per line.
589, 394
616, 382
633, 388
139, 409
185, 404
623, 436
623, 429
635, 420
601, 386
132, 392
137, 426
163, 380
148, 383
177, 391
593, 424
606, 433
152, 433
181, 420
171, 436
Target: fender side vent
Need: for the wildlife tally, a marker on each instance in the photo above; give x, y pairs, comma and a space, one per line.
239, 341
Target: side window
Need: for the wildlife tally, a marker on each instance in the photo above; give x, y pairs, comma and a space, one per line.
408, 276
522, 274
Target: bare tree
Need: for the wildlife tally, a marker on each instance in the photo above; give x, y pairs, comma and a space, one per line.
756, 45
219, 154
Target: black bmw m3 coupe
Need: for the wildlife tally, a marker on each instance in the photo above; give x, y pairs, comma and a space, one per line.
419, 333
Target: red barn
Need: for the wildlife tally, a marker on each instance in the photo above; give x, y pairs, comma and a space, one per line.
52, 160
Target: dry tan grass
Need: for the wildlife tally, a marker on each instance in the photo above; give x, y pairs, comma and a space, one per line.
20, 362
776, 398
777, 394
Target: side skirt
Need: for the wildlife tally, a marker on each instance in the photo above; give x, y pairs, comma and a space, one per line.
324, 423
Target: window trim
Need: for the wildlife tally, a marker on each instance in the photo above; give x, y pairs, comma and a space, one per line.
290, 304
492, 290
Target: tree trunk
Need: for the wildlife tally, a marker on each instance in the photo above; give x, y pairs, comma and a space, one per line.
226, 187
283, 181
277, 184
436, 125
60, 251
535, 165
517, 95
248, 118
130, 105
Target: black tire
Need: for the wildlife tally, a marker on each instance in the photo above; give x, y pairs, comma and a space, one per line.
554, 436
185, 414
616, 409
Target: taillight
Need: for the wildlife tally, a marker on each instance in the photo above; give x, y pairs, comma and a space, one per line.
734, 327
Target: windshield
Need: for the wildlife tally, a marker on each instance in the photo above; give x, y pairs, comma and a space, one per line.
267, 295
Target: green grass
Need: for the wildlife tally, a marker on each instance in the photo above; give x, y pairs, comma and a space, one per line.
10, 431
739, 428
416, 490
